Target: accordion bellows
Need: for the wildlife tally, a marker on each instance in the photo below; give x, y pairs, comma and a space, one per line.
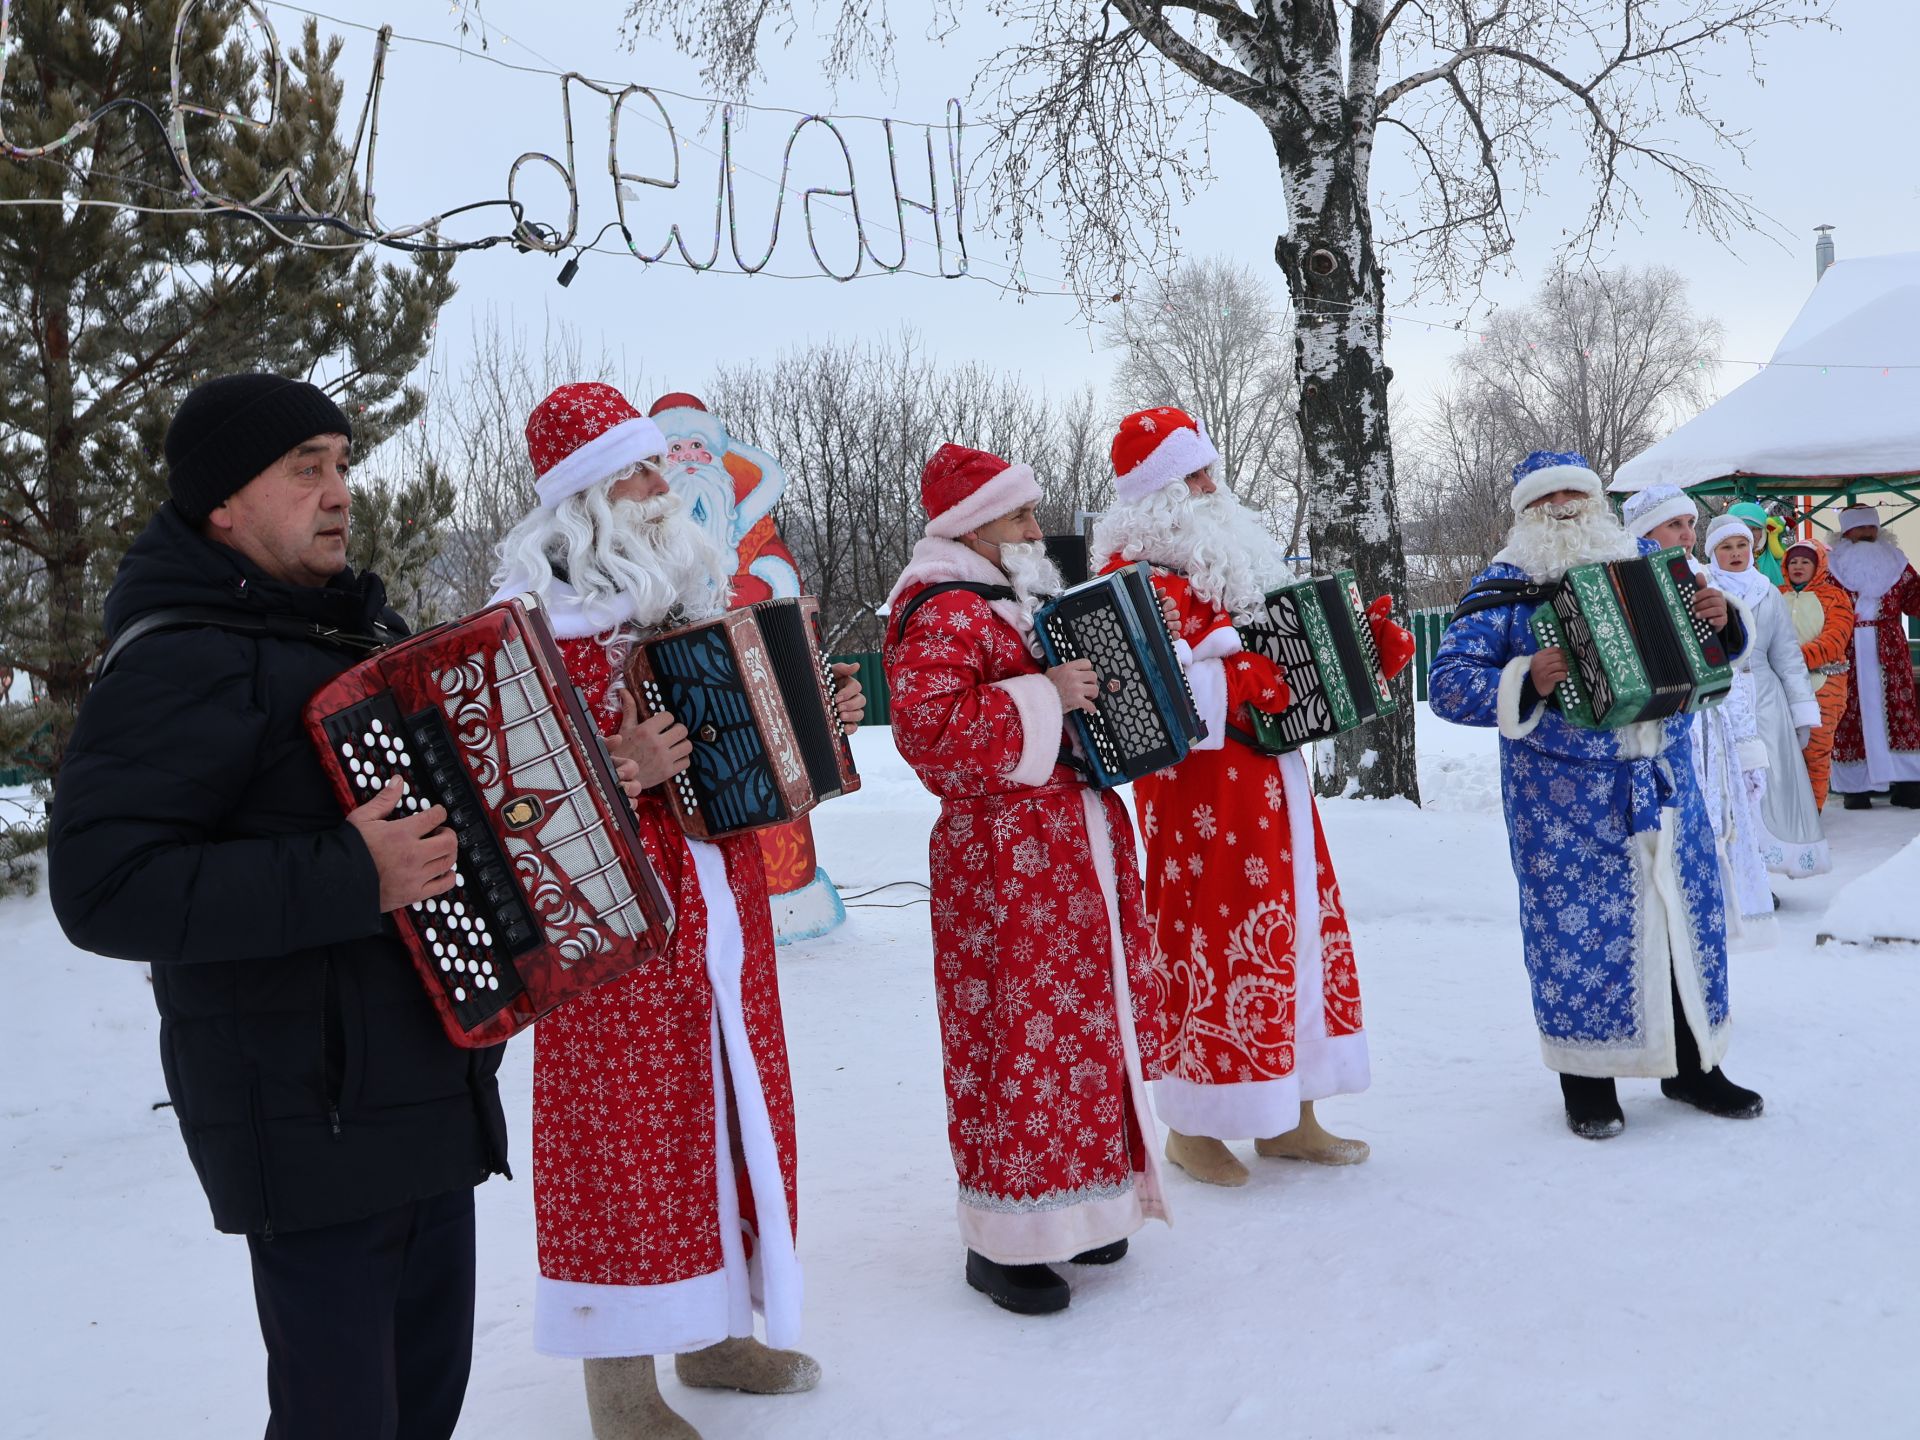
1144, 717
554, 894
757, 698
1636, 651
1317, 632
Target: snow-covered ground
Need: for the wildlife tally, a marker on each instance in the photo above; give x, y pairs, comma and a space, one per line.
1485, 1274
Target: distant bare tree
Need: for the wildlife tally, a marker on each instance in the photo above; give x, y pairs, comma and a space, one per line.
853, 424
1604, 362
1095, 105
1210, 339
475, 438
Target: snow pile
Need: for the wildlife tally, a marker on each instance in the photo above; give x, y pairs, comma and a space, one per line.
1880, 906
1485, 1274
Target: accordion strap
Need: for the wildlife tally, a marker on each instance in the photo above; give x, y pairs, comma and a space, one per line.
1497, 593
972, 587
240, 622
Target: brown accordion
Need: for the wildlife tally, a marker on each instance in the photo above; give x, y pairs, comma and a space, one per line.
756, 696
554, 894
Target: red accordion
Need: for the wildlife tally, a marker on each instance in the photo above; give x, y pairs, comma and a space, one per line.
757, 698
554, 894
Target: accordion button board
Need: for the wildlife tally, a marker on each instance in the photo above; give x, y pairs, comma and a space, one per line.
461, 928
1144, 717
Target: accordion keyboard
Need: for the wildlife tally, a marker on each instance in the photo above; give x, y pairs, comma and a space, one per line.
683, 782
1125, 721
473, 929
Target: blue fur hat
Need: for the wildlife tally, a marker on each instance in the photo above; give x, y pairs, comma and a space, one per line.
1545, 471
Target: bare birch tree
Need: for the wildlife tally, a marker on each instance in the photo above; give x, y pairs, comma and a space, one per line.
1210, 339
1095, 106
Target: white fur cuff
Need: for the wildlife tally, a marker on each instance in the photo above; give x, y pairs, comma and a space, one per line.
1513, 674
1805, 712
1041, 721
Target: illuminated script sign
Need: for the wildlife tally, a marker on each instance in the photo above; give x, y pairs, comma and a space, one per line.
873, 221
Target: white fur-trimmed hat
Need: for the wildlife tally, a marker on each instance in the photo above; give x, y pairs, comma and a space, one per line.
1545, 471
1654, 506
1157, 448
1721, 526
1855, 516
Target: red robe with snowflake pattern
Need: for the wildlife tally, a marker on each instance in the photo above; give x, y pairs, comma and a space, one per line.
1863, 760
663, 1137
1250, 939
1045, 1001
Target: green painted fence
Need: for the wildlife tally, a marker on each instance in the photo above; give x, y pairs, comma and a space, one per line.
873, 680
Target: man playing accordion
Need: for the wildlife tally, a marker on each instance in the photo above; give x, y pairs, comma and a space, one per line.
1622, 915
328, 1116
1250, 938
1040, 947
663, 1131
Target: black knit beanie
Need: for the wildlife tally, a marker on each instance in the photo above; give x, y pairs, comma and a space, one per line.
229, 429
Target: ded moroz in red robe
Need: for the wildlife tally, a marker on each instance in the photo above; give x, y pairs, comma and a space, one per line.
1039, 937
1878, 741
663, 1139
1250, 939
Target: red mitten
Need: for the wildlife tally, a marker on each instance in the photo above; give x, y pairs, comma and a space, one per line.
1256, 681
1394, 642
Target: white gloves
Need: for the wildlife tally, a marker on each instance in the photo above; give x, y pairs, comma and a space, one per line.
1804, 733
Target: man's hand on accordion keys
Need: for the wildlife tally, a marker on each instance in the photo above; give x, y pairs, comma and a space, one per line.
658, 747
1547, 669
1711, 606
1077, 683
849, 700
413, 855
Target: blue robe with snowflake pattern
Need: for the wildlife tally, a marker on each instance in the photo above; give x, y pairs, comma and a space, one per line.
1614, 855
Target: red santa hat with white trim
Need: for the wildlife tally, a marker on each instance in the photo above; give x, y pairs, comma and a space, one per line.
1155, 448
963, 489
583, 434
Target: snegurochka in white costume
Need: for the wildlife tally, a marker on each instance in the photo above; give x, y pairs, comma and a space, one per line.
1623, 925
1729, 758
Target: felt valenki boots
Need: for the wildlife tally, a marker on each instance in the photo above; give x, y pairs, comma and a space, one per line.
1310, 1142
744, 1363
1206, 1159
624, 1403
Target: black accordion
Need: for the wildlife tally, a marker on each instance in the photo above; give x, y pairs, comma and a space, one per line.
757, 697
1318, 633
1144, 717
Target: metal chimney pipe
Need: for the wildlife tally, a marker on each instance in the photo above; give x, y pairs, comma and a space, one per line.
1822, 252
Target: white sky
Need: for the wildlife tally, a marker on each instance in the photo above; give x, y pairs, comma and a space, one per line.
1831, 135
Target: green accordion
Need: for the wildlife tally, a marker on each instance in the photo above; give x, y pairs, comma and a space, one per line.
1317, 632
1635, 649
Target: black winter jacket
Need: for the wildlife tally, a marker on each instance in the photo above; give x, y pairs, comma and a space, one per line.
192, 828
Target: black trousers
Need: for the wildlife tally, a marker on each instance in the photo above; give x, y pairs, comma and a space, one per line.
369, 1325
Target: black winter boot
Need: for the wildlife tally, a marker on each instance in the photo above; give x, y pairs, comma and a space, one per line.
1706, 1090
1906, 794
1593, 1107
1857, 800
1102, 1254
1023, 1289
1715, 1094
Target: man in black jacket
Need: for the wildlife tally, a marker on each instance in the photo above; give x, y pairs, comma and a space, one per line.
329, 1118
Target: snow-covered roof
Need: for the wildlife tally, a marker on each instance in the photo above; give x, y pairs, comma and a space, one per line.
1834, 404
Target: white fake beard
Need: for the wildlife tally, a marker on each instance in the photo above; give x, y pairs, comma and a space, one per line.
1869, 568
1034, 577
641, 557
1222, 547
1547, 540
